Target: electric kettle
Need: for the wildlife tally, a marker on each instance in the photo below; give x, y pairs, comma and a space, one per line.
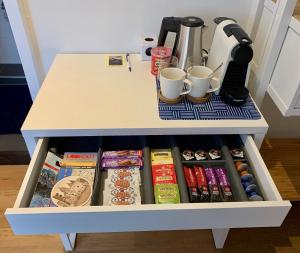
188, 40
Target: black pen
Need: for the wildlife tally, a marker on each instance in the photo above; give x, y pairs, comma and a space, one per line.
128, 62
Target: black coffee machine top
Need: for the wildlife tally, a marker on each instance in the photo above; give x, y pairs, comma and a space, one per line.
232, 47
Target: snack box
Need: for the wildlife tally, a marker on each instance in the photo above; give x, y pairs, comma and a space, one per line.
83, 172
164, 174
166, 194
79, 159
161, 156
46, 181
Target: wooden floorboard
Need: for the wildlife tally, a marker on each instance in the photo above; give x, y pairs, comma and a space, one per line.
282, 157
283, 160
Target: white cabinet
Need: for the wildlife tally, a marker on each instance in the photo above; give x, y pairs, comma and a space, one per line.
84, 77
284, 87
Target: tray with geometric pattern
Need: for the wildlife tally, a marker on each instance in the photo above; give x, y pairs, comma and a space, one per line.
214, 109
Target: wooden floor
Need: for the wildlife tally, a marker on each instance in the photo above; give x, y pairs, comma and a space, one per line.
282, 157
283, 160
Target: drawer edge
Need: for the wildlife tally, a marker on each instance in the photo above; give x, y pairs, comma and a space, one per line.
147, 217
261, 172
29, 182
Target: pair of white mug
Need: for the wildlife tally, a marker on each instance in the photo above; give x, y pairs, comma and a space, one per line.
199, 80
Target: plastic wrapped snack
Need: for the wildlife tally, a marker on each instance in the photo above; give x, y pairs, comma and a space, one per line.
224, 183
212, 181
202, 183
121, 162
191, 184
122, 153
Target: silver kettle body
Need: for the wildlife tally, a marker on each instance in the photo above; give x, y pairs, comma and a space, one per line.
188, 41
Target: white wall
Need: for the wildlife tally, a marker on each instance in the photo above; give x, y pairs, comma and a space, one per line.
115, 25
8, 49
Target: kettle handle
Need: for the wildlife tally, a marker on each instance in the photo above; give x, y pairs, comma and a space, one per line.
169, 24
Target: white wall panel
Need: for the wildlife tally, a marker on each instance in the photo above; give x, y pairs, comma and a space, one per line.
116, 25
8, 49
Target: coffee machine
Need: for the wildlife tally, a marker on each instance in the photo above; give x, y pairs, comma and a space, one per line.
232, 47
188, 40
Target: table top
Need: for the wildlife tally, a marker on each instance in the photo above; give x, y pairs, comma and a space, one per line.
81, 96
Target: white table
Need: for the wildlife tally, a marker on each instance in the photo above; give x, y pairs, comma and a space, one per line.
82, 97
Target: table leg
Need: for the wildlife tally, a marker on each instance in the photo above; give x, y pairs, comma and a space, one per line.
258, 139
30, 144
68, 241
220, 236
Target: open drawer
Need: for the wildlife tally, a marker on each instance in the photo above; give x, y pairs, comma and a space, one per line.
147, 217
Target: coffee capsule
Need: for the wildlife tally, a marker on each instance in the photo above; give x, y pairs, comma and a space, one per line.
237, 153
255, 197
188, 155
249, 187
241, 166
201, 155
247, 177
215, 154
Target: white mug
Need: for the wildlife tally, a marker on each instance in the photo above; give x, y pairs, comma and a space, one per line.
201, 78
172, 82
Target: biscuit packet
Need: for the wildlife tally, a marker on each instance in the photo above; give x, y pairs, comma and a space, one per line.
121, 162
122, 153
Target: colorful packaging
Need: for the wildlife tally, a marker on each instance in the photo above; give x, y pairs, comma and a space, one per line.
121, 162
202, 183
164, 174
213, 185
191, 184
46, 181
122, 153
87, 173
124, 173
167, 194
122, 187
79, 159
72, 191
161, 156
224, 183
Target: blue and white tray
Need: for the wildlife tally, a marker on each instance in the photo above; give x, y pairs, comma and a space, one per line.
214, 109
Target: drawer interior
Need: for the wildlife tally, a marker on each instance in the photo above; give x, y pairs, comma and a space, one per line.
177, 144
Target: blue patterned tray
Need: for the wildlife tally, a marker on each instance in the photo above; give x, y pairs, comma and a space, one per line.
214, 109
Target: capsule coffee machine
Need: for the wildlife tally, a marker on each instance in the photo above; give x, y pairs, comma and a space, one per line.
232, 47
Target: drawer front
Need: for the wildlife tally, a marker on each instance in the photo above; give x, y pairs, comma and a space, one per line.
148, 217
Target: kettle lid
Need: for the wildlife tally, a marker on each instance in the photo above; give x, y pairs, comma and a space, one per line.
192, 21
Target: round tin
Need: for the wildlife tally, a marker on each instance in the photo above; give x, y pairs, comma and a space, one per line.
159, 55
